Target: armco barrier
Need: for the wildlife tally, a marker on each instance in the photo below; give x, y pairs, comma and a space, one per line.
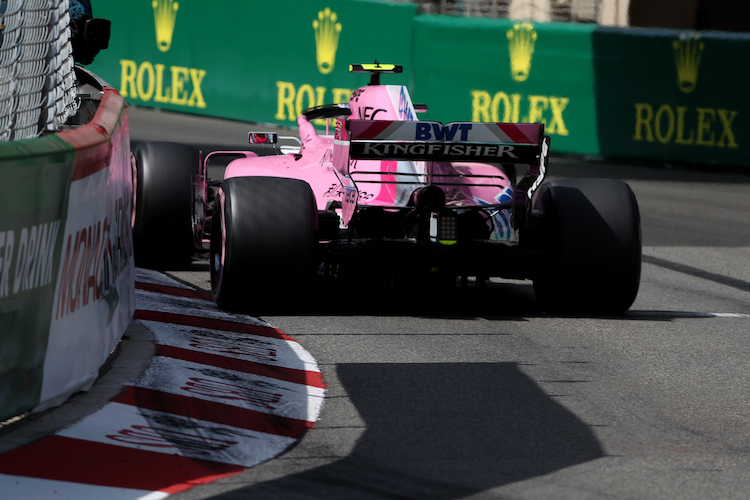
67, 273
660, 95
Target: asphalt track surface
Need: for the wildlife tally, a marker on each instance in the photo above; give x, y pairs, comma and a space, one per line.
480, 395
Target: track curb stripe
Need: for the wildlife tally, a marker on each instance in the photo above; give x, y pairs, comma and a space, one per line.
76, 460
212, 411
172, 290
214, 324
293, 375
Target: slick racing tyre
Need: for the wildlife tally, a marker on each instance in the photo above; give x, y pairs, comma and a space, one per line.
591, 242
263, 240
163, 229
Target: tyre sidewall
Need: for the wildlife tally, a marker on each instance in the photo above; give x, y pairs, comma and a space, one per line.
163, 231
591, 244
266, 238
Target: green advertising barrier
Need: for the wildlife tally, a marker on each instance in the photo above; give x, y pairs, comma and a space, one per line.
673, 96
630, 93
248, 60
36, 175
473, 69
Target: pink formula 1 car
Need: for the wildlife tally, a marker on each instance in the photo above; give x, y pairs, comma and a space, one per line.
387, 197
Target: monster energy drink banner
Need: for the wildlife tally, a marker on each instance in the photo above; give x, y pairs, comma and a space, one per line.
673, 96
255, 61
499, 70
36, 175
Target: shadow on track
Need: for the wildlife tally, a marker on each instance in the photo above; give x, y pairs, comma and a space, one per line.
441, 431
351, 297
496, 301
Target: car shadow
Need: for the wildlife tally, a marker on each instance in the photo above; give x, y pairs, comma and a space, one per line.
441, 431
336, 297
495, 301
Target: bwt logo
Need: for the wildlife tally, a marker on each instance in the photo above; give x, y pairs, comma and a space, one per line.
437, 132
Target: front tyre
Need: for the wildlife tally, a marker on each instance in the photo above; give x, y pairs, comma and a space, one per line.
263, 239
591, 242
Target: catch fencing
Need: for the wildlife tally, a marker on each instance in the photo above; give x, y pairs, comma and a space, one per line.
37, 80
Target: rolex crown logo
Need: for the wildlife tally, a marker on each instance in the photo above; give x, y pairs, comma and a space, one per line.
327, 31
165, 13
521, 40
687, 54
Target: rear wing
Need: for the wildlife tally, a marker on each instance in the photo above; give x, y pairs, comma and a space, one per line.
432, 141
498, 143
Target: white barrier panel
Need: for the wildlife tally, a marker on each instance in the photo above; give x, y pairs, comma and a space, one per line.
94, 298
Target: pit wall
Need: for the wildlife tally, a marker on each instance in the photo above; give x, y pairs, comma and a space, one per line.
66, 260
656, 95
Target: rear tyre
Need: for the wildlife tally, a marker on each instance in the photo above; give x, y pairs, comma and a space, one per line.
163, 229
263, 240
591, 241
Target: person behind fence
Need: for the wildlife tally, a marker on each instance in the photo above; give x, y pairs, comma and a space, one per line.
80, 8
88, 34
